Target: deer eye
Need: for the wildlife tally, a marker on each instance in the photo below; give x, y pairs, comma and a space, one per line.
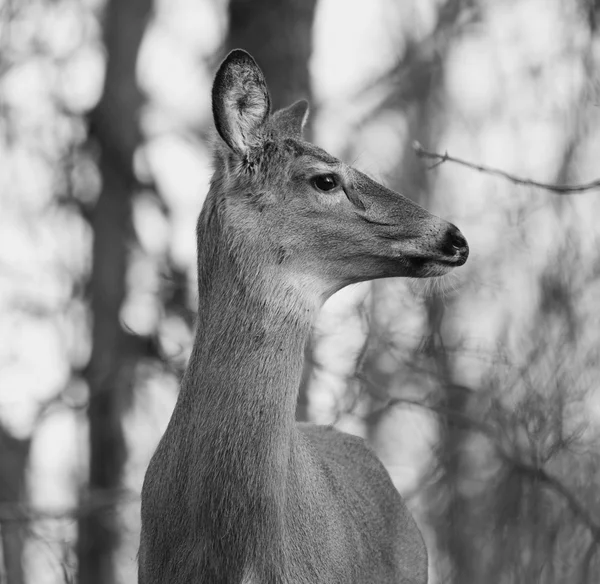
325, 182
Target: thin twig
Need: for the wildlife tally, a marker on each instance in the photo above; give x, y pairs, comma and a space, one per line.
534, 472
560, 189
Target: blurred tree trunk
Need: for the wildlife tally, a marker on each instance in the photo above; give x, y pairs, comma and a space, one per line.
278, 34
14, 454
415, 88
471, 554
114, 126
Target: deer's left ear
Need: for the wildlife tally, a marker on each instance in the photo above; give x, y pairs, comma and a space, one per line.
291, 120
240, 102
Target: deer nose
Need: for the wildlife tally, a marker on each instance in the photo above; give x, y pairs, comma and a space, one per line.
455, 243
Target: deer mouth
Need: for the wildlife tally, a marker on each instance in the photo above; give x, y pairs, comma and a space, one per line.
457, 260
431, 266
448, 250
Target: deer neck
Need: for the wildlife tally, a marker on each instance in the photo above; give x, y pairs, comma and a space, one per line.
240, 390
248, 354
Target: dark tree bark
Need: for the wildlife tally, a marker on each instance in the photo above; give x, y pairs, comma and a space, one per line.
278, 34
14, 455
114, 125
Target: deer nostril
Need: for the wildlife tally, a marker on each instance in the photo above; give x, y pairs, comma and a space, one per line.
455, 242
458, 241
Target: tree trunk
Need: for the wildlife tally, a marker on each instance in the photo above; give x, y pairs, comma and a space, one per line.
14, 455
278, 34
114, 125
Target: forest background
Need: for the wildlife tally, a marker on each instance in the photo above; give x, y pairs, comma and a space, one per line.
480, 392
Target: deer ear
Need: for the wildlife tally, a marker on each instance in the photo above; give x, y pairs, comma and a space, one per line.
292, 119
240, 102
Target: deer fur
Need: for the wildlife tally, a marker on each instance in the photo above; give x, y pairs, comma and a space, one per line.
237, 492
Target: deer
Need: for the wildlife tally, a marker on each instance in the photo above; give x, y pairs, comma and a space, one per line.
238, 492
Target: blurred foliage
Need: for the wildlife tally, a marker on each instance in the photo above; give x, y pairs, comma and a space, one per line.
484, 385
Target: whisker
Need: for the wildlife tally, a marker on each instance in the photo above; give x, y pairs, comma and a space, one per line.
446, 286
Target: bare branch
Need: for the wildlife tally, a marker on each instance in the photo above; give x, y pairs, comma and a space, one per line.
536, 473
553, 483
560, 189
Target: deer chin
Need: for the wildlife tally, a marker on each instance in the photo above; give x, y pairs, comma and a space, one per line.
435, 270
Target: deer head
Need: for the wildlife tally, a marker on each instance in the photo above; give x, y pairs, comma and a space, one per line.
305, 213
